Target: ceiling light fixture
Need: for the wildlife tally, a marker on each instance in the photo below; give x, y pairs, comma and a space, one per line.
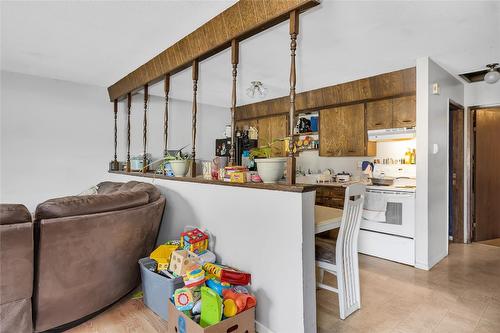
256, 89
493, 75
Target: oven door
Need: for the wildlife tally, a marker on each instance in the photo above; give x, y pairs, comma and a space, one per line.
390, 212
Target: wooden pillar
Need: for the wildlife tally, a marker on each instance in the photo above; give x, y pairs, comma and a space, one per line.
115, 110
294, 31
234, 62
145, 130
166, 88
195, 110
129, 106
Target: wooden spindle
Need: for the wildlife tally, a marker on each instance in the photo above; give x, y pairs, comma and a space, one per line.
195, 110
115, 110
294, 31
165, 117
234, 62
145, 130
129, 106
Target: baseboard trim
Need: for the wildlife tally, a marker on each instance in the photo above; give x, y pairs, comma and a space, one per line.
261, 328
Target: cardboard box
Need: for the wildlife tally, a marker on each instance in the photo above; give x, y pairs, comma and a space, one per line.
178, 322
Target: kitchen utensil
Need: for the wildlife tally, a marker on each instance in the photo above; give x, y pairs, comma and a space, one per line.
382, 181
343, 177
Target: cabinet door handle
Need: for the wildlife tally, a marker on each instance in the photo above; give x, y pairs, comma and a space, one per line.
407, 121
351, 151
378, 124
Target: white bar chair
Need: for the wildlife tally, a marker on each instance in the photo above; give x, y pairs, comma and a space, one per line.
340, 257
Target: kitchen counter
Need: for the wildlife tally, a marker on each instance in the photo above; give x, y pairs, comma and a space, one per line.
300, 188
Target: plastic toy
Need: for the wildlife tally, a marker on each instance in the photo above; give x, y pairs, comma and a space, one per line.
208, 256
243, 301
196, 308
195, 276
195, 241
215, 284
230, 308
183, 299
162, 256
229, 275
211, 307
180, 261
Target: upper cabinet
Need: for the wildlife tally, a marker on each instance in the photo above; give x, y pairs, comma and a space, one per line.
379, 114
270, 129
342, 131
404, 111
391, 113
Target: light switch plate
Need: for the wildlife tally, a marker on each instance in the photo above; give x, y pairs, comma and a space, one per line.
435, 88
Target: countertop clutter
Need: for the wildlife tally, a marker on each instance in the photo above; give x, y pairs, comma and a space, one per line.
200, 292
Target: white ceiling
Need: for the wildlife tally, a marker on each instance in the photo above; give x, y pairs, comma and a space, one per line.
97, 43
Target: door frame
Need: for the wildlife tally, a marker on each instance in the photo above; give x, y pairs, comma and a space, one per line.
469, 204
456, 107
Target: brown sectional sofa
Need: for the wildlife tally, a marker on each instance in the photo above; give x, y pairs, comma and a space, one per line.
16, 268
86, 250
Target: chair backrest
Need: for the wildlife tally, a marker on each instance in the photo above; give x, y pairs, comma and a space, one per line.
347, 250
347, 240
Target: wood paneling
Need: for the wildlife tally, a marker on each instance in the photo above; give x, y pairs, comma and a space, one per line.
487, 181
240, 21
379, 114
343, 131
404, 112
394, 84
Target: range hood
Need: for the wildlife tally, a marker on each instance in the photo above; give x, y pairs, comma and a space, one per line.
392, 134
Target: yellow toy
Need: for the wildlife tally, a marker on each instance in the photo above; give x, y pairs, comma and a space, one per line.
162, 256
182, 260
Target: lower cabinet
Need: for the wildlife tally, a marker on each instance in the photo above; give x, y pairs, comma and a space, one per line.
330, 196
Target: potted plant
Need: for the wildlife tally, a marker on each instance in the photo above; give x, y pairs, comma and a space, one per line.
270, 169
179, 163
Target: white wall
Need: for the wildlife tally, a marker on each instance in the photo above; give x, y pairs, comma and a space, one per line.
481, 94
310, 160
432, 167
255, 233
57, 136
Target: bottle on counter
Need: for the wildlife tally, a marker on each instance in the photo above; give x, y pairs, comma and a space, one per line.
413, 156
408, 156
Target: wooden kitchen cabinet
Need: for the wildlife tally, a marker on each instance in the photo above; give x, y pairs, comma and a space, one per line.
404, 112
391, 113
270, 128
330, 196
342, 131
379, 114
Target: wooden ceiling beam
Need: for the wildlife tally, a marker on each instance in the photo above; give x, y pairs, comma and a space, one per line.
240, 21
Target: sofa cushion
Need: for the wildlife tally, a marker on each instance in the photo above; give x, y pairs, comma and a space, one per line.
14, 213
151, 190
133, 186
90, 204
108, 187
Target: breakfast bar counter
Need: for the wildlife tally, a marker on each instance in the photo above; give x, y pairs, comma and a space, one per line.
299, 188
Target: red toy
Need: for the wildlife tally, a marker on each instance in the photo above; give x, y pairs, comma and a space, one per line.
195, 241
229, 275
